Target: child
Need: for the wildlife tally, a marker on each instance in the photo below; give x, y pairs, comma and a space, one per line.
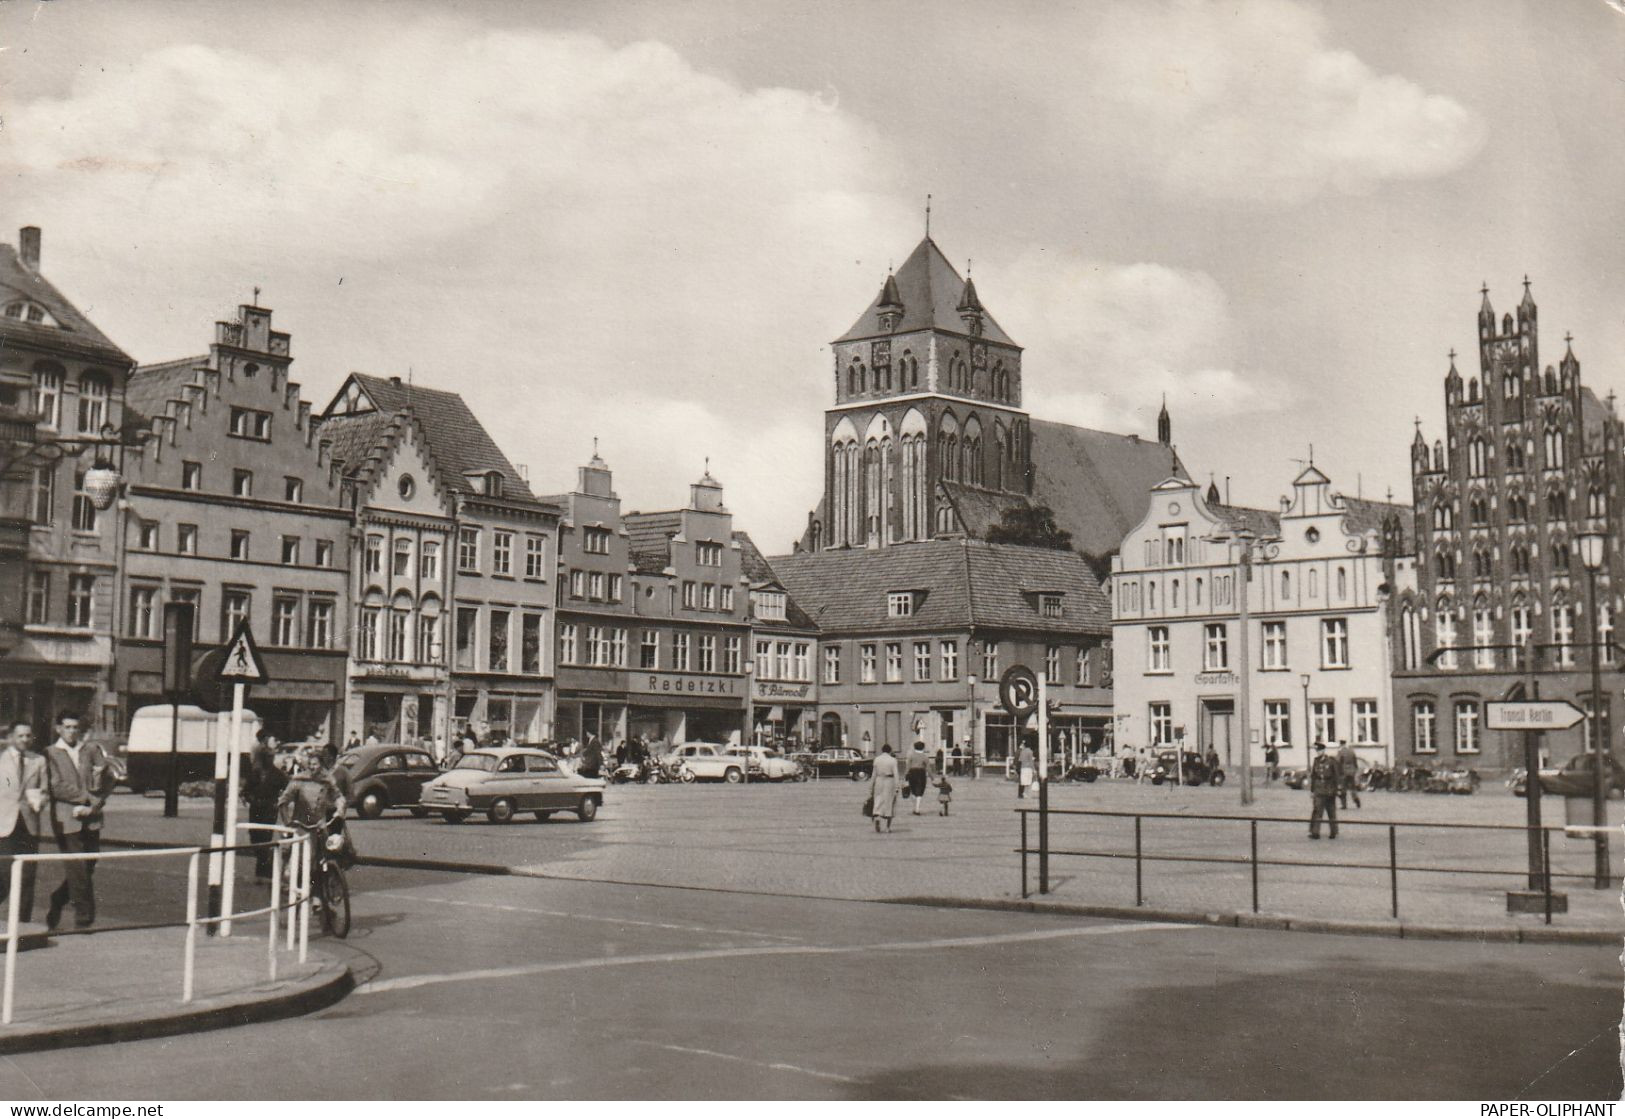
945, 794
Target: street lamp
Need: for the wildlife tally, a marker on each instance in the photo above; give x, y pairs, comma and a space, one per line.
1308, 727
1593, 548
970, 721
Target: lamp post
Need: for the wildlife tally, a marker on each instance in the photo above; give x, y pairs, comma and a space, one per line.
1593, 547
1308, 727
970, 720
1246, 541
750, 713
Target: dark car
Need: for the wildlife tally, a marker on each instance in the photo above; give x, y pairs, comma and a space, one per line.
1166, 767
1576, 778
838, 761
374, 778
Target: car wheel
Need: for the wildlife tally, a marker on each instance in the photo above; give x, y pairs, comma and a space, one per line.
587, 809
419, 811
732, 776
1157, 780
1218, 778
501, 811
371, 805
455, 817
689, 776
543, 817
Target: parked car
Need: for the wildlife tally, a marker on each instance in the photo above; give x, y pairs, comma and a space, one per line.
505, 782
709, 761
770, 765
842, 761
1574, 778
1166, 767
374, 778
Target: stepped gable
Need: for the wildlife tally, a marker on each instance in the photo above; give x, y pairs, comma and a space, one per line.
71, 329
931, 291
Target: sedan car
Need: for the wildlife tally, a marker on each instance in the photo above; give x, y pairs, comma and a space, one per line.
770, 765
505, 782
374, 778
842, 761
709, 761
1167, 766
1575, 778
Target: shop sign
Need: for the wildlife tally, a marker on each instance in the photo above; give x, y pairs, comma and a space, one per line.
395, 672
1217, 679
772, 689
672, 683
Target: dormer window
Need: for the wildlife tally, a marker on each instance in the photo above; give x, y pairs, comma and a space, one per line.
1050, 605
900, 604
770, 606
26, 310
492, 483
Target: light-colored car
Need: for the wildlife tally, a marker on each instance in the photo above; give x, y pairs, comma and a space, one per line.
770, 765
710, 761
505, 782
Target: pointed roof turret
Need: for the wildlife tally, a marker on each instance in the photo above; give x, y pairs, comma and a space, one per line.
968, 300
1569, 361
889, 308
1165, 424
1484, 308
929, 291
1213, 492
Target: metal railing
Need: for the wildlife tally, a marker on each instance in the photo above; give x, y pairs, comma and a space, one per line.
299, 851
1393, 867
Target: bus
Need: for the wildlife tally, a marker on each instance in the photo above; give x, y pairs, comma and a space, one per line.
196, 731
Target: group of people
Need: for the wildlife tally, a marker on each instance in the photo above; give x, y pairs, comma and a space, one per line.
62, 787
909, 778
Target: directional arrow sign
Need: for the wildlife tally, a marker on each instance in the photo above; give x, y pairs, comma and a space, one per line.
242, 663
1538, 714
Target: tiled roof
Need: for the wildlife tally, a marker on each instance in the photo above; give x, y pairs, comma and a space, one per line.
979, 509
930, 289
1260, 522
1098, 483
649, 539
352, 438
151, 387
73, 328
1367, 516
1595, 415
759, 571
965, 583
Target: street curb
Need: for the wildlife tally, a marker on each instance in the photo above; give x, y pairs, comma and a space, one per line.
327, 986
1277, 923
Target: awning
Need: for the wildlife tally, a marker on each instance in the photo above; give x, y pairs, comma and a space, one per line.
775, 714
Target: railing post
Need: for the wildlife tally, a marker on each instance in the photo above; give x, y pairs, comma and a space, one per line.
1023, 816
276, 900
1393, 868
13, 911
1254, 830
1139, 885
306, 846
1546, 870
189, 967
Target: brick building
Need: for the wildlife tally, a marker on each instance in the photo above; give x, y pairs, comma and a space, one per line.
1497, 594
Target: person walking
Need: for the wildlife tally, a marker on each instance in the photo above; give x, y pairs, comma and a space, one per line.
263, 789
592, 758
22, 795
883, 788
1323, 782
78, 779
1024, 769
1272, 764
1348, 771
919, 773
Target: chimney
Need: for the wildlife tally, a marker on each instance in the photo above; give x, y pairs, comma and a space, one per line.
394, 380
28, 246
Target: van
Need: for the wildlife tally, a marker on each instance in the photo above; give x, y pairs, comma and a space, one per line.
195, 732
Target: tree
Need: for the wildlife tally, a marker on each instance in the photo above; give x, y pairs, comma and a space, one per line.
1031, 525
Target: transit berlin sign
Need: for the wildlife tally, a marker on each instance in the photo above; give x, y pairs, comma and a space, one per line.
1535, 715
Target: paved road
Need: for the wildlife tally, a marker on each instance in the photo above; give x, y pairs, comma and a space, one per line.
511, 988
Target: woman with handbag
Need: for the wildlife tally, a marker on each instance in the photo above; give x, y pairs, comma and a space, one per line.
883, 788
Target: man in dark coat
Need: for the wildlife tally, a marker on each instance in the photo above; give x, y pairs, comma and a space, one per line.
263, 790
1348, 770
592, 758
1323, 782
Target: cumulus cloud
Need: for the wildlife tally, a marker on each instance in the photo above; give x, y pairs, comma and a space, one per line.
1249, 102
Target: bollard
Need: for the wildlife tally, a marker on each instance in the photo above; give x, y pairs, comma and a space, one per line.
1546, 870
276, 901
1255, 864
1393, 868
1023, 816
1139, 891
189, 967
14, 910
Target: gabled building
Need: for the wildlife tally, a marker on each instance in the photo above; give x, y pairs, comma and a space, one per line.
61, 379
784, 680
235, 507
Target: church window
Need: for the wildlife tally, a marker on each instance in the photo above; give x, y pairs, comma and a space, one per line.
1514, 454
1596, 503
1554, 448
1444, 518
1481, 563
1445, 563
1517, 508
1520, 559
1557, 505
1478, 511
1476, 458
1560, 556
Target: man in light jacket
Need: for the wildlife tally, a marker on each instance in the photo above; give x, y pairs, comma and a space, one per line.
22, 795
78, 777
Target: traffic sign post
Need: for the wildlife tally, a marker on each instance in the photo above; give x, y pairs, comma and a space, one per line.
241, 667
1532, 715
1024, 693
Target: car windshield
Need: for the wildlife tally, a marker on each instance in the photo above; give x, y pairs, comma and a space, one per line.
483, 762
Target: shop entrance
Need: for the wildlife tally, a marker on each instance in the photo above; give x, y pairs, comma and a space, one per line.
830, 731
1218, 717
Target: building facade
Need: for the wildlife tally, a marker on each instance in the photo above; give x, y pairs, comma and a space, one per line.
784, 676
1498, 594
61, 380
234, 506
1317, 633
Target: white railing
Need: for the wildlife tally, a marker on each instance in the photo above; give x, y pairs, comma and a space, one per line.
291, 841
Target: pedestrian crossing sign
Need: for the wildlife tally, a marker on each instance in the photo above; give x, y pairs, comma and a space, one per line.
242, 663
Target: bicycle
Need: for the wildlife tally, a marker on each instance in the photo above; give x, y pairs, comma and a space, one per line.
329, 889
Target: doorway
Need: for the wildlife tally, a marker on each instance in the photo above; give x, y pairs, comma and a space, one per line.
1218, 719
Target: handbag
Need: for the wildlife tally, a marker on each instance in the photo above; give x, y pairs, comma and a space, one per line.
869, 805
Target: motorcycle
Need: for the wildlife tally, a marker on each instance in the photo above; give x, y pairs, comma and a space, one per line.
627, 773
674, 771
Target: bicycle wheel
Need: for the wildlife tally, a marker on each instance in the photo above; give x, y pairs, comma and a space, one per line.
335, 901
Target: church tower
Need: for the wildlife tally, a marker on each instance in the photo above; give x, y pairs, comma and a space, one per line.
927, 390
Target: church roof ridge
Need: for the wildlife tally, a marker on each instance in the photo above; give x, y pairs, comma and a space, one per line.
930, 290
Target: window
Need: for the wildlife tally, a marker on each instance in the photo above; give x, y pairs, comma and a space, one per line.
1554, 448
84, 510
1476, 465
708, 652
1052, 665
866, 664
595, 541
48, 397
428, 560
400, 616
239, 544
1215, 648
1514, 448
1467, 726
234, 611
1157, 653
764, 660
1334, 643
948, 654
429, 650
186, 539
990, 661
144, 612
192, 596
612, 591
922, 660
1162, 724
93, 393
1424, 727
783, 661
1521, 629
1275, 645
290, 550
1084, 667
284, 620
468, 622
1277, 722
727, 598
679, 651
832, 664
708, 553
900, 604
39, 597
249, 423
501, 552
595, 585
803, 662
1446, 626
649, 649
1605, 631
1410, 637
1563, 633
708, 596
1049, 605
1365, 722
497, 645
732, 654
324, 553
567, 643
80, 590
242, 483
43, 505
367, 633
688, 595
401, 563
191, 475
320, 630
894, 661
1323, 720
468, 550
530, 644
770, 605
1483, 636
535, 557
293, 490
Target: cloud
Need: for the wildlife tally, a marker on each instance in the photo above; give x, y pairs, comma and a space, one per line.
1247, 102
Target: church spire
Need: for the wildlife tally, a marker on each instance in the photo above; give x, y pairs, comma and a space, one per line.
1165, 424
890, 307
970, 306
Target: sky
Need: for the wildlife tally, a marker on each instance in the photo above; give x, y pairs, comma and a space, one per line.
643, 222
